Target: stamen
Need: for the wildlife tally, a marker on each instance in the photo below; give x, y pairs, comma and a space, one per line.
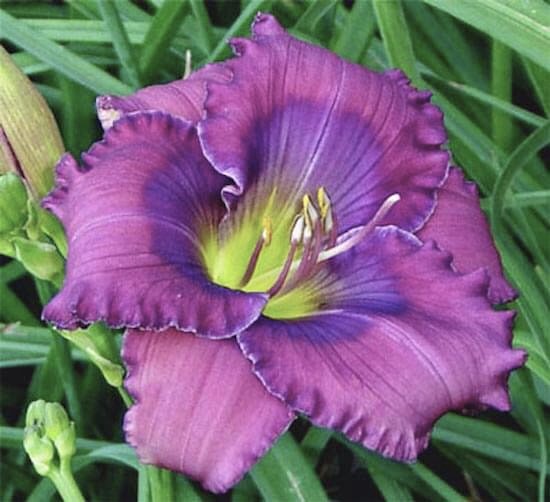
310, 212
267, 232
297, 233
297, 236
323, 201
313, 242
363, 232
263, 240
330, 228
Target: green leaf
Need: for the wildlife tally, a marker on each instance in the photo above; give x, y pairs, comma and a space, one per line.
390, 488
357, 32
518, 159
489, 440
440, 486
285, 474
519, 24
121, 42
60, 58
161, 32
395, 34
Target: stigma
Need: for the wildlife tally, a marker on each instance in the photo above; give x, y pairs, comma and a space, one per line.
313, 239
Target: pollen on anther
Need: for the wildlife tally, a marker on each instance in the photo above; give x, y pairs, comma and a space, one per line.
267, 230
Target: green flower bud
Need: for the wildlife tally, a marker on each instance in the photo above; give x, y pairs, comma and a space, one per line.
65, 442
41, 259
13, 204
56, 420
40, 450
35, 415
30, 143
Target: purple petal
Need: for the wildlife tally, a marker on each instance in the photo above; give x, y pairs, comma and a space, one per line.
459, 226
135, 215
200, 410
400, 339
183, 98
295, 117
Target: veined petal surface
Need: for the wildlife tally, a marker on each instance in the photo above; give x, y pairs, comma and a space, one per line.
199, 409
183, 98
399, 339
296, 117
134, 215
459, 226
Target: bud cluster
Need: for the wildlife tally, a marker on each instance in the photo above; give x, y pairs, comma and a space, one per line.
28, 233
49, 436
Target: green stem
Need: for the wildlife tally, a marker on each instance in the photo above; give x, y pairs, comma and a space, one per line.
125, 396
62, 354
161, 484
65, 483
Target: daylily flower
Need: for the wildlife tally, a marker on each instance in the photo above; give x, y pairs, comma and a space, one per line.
276, 232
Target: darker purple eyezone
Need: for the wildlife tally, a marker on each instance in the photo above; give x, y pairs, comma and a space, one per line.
134, 216
297, 117
387, 253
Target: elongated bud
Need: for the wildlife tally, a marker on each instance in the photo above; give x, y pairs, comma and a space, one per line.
30, 143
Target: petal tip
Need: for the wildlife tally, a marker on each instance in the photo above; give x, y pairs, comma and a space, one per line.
266, 25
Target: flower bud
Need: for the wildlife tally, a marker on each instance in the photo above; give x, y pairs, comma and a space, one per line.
65, 442
35, 415
13, 204
30, 143
41, 259
39, 449
55, 420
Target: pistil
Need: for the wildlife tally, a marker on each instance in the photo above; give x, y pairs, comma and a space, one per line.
315, 231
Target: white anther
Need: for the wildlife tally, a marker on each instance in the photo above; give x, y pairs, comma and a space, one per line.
328, 221
363, 232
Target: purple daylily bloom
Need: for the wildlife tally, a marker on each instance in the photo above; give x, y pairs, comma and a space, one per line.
276, 231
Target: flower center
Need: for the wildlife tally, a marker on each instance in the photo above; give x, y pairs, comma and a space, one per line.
311, 238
